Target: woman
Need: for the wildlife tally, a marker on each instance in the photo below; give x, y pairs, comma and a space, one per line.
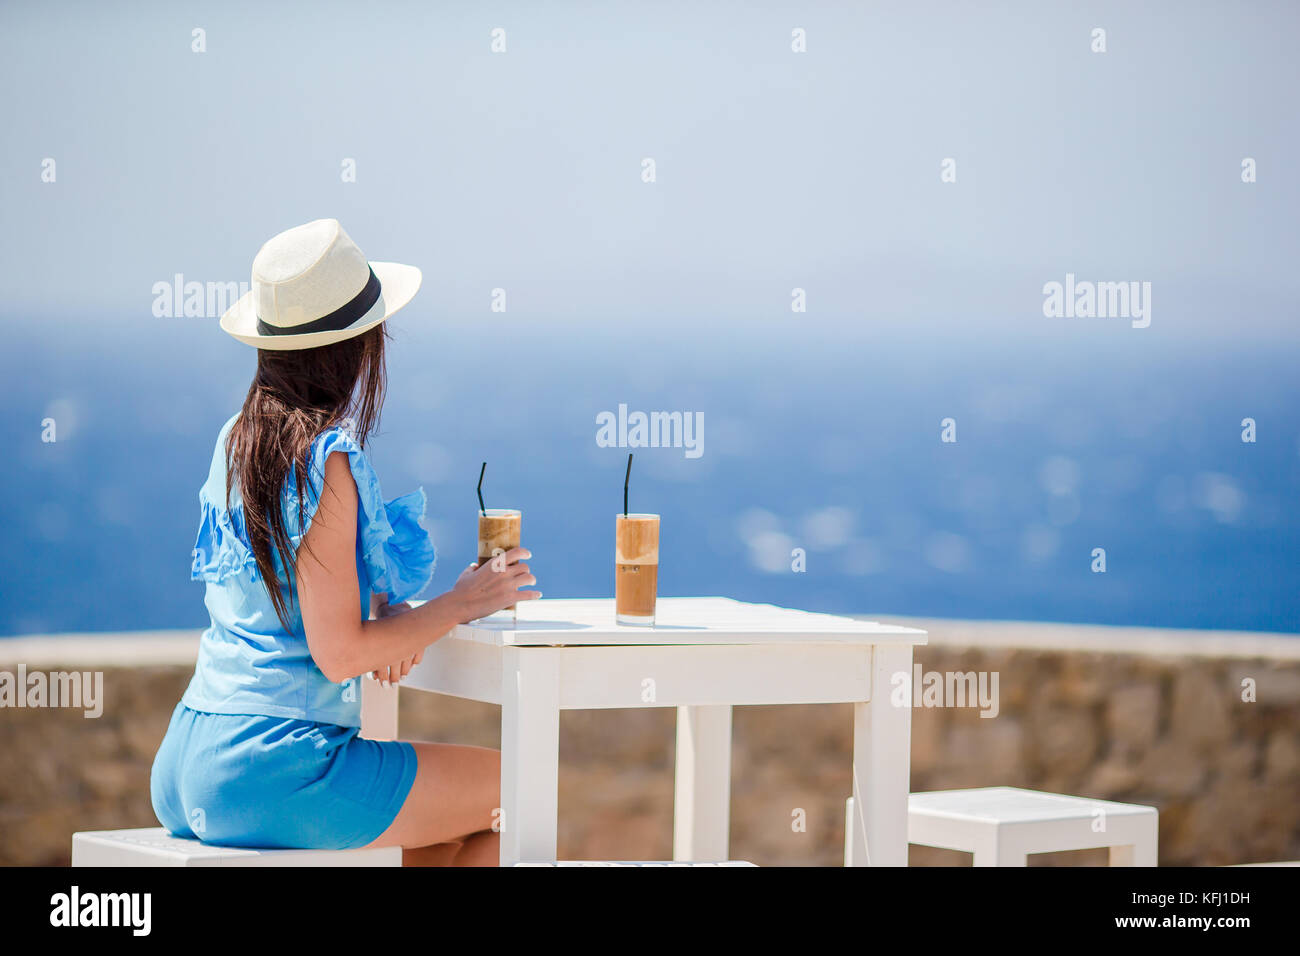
262, 750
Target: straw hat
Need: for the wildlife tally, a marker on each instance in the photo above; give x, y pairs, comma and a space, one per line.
312, 286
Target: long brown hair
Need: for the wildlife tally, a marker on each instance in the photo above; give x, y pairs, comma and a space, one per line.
296, 395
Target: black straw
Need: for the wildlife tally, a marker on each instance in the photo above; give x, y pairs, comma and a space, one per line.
480, 489
626, 479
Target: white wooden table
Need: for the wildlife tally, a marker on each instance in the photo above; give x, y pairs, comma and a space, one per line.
704, 655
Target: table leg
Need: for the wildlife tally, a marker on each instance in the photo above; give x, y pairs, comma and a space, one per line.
1140, 854
998, 856
702, 798
530, 753
882, 740
378, 709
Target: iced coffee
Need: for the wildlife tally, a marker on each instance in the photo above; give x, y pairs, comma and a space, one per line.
498, 532
636, 568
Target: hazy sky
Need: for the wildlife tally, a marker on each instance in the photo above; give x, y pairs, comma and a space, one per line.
522, 169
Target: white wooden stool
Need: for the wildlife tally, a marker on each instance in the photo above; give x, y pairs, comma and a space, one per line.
1001, 826
630, 863
154, 846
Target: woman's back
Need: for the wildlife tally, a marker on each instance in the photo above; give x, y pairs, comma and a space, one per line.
251, 663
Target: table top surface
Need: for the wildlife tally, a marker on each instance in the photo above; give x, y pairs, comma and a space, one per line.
678, 621
1014, 805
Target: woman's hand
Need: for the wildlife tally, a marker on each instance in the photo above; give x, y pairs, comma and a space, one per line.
481, 591
393, 673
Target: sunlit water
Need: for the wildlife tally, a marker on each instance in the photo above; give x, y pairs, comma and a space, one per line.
827, 442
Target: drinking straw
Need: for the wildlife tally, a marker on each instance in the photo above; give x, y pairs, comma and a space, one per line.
626, 479
480, 489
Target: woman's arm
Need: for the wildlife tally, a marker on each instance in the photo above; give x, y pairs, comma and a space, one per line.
377, 603
328, 591
393, 674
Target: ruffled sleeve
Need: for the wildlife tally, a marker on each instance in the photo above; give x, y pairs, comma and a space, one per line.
219, 548
394, 547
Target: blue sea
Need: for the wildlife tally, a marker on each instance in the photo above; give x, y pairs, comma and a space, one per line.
824, 441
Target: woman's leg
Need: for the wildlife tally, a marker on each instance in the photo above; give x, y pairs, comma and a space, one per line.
476, 849
455, 792
479, 849
440, 854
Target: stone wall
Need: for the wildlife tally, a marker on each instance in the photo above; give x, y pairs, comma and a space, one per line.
1138, 716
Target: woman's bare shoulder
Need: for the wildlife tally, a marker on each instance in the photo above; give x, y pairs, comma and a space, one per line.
340, 487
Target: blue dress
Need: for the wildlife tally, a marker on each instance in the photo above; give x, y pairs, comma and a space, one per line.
263, 749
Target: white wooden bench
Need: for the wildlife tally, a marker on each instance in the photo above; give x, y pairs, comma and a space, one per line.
1001, 826
154, 846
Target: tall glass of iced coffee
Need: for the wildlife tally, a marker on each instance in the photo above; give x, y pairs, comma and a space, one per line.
498, 532
636, 568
